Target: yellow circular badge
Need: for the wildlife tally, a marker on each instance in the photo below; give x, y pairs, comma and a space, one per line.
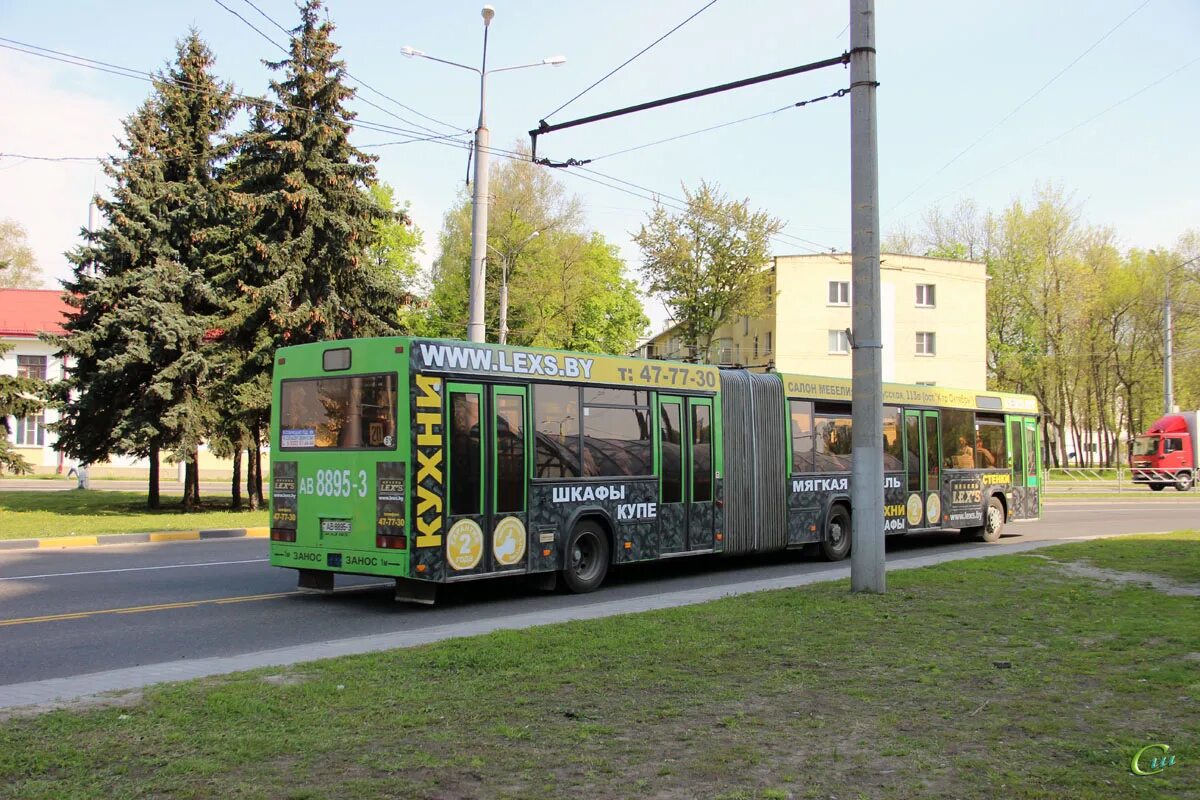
508, 542
915, 511
464, 544
934, 504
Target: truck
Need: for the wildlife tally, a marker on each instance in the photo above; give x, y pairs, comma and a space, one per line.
1166, 453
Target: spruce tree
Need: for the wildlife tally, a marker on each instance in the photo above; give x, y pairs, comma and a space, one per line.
303, 275
142, 287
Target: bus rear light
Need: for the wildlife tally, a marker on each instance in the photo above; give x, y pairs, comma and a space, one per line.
420, 567
391, 542
546, 551
283, 535
400, 348
629, 545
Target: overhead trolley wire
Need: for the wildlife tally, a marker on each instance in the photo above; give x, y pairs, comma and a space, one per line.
629, 60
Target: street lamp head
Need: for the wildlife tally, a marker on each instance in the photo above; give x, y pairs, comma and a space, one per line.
555, 60
488, 12
409, 52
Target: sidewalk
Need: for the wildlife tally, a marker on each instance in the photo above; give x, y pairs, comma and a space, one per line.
97, 540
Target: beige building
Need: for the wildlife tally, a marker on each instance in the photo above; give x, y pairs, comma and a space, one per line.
934, 322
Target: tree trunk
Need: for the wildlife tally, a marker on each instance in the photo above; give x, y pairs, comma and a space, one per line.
236, 487
189, 480
258, 469
153, 498
196, 479
251, 497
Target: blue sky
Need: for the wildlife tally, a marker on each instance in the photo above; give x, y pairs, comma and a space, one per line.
949, 71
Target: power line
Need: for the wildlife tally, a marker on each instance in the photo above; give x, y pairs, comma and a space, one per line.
361, 82
1020, 105
127, 72
629, 60
49, 158
1070, 130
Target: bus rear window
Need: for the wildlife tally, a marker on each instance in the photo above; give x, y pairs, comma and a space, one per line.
344, 413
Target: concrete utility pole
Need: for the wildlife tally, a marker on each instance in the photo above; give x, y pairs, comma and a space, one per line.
867, 557
479, 203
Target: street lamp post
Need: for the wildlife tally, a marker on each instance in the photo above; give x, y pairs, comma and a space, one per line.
504, 264
479, 203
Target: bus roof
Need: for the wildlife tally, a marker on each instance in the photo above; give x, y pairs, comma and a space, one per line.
823, 388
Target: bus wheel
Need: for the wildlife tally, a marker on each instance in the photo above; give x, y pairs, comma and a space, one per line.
587, 558
993, 522
1157, 487
1183, 481
836, 544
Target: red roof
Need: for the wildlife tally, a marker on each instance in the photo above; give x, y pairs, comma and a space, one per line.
28, 312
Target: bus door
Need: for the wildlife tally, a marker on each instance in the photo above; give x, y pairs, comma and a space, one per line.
1024, 459
922, 465
487, 486
685, 474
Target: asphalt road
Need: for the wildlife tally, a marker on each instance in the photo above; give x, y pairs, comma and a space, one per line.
78, 611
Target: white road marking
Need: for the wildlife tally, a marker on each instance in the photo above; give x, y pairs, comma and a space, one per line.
131, 569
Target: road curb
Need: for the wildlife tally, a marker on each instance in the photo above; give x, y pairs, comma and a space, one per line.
63, 542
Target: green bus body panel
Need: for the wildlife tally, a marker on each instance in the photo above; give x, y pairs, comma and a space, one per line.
338, 500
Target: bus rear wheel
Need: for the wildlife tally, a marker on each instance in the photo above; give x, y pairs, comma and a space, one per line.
993, 522
836, 544
587, 558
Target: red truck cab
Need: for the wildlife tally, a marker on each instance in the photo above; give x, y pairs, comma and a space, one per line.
1166, 454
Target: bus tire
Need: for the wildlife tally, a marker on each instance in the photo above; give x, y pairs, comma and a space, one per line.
1183, 481
993, 522
587, 557
836, 544
1157, 487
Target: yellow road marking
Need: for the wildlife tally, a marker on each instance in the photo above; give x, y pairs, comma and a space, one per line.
174, 536
257, 533
140, 609
70, 541
247, 598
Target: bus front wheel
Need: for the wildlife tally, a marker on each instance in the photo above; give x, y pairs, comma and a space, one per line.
587, 558
836, 544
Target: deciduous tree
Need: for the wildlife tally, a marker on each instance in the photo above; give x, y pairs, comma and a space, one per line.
708, 262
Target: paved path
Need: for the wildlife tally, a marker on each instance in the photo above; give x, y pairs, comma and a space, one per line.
79, 622
207, 488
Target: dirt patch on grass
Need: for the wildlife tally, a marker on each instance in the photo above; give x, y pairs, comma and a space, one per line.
1158, 583
127, 699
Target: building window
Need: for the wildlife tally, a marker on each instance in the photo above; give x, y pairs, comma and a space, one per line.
756, 347
926, 343
839, 293
31, 431
31, 367
745, 326
768, 350
926, 295
839, 343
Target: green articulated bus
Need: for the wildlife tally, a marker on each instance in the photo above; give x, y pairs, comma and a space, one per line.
434, 462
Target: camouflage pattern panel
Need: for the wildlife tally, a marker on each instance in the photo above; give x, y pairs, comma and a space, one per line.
808, 496
719, 513
427, 547
700, 526
1024, 503
895, 516
672, 527
631, 505
963, 499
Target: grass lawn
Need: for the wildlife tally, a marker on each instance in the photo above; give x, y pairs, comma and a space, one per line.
25, 515
1001, 677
